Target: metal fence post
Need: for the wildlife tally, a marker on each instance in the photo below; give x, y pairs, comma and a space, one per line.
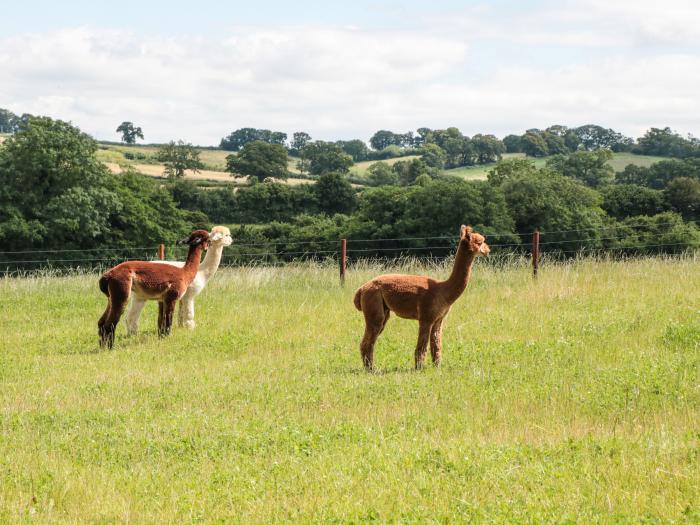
535, 253
343, 252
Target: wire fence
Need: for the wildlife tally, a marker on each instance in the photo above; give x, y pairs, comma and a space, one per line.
622, 242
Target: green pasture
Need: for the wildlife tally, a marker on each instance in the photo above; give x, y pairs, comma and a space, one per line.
574, 399
213, 159
618, 162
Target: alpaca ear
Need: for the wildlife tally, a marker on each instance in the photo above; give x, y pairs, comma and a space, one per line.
465, 232
216, 236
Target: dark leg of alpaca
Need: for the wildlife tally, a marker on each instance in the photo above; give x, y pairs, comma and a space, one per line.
111, 322
101, 326
161, 319
422, 344
436, 342
118, 299
367, 347
169, 313
376, 316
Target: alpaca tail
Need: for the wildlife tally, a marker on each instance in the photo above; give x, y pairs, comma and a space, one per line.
104, 285
358, 299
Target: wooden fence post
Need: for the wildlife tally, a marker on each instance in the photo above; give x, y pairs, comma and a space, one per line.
535, 253
161, 252
343, 251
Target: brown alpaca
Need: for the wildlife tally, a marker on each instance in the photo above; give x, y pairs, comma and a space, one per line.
149, 281
417, 297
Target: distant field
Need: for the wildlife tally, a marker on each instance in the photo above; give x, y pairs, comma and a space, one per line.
213, 159
215, 162
618, 162
157, 170
573, 399
360, 168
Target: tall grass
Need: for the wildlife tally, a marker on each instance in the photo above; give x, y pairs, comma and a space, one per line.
572, 399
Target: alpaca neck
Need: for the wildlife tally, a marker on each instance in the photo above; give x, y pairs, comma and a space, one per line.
211, 261
455, 285
194, 255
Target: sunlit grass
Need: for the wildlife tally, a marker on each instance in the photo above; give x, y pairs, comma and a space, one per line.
576, 397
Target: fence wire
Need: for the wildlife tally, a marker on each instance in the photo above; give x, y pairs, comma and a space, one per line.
281, 252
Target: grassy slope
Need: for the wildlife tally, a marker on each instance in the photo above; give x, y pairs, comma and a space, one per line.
360, 168
575, 398
619, 161
215, 163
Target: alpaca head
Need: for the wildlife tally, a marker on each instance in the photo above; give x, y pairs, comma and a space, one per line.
196, 237
475, 242
220, 235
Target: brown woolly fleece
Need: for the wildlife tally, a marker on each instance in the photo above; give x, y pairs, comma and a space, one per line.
417, 297
149, 281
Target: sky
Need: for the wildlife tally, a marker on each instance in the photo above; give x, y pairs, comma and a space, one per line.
196, 71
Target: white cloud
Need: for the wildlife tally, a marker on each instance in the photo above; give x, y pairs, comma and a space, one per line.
348, 82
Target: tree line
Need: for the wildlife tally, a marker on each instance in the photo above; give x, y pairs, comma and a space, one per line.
55, 194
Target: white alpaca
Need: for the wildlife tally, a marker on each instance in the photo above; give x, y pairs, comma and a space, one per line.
219, 238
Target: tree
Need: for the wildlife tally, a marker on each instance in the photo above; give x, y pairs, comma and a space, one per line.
659, 174
589, 167
628, 200
9, 122
456, 146
178, 157
383, 138
409, 170
335, 194
299, 140
326, 157
683, 194
129, 132
666, 143
662, 233
381, 174
487, 148
534, 145
259, 160
511, 169
356, 148
239, 138
555, 143
512, 143
433, 155
562, 206
592, 137
55, 193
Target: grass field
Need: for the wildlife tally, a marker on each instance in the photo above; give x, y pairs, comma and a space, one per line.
618, 162
215, 163
572, 399
360, 168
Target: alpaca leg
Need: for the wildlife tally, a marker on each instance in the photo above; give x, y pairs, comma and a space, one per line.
367, 347
422, 345
375, 320
101, 325
168, 314
161, 319
436, 342
186, 313
133, 315
118, 299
